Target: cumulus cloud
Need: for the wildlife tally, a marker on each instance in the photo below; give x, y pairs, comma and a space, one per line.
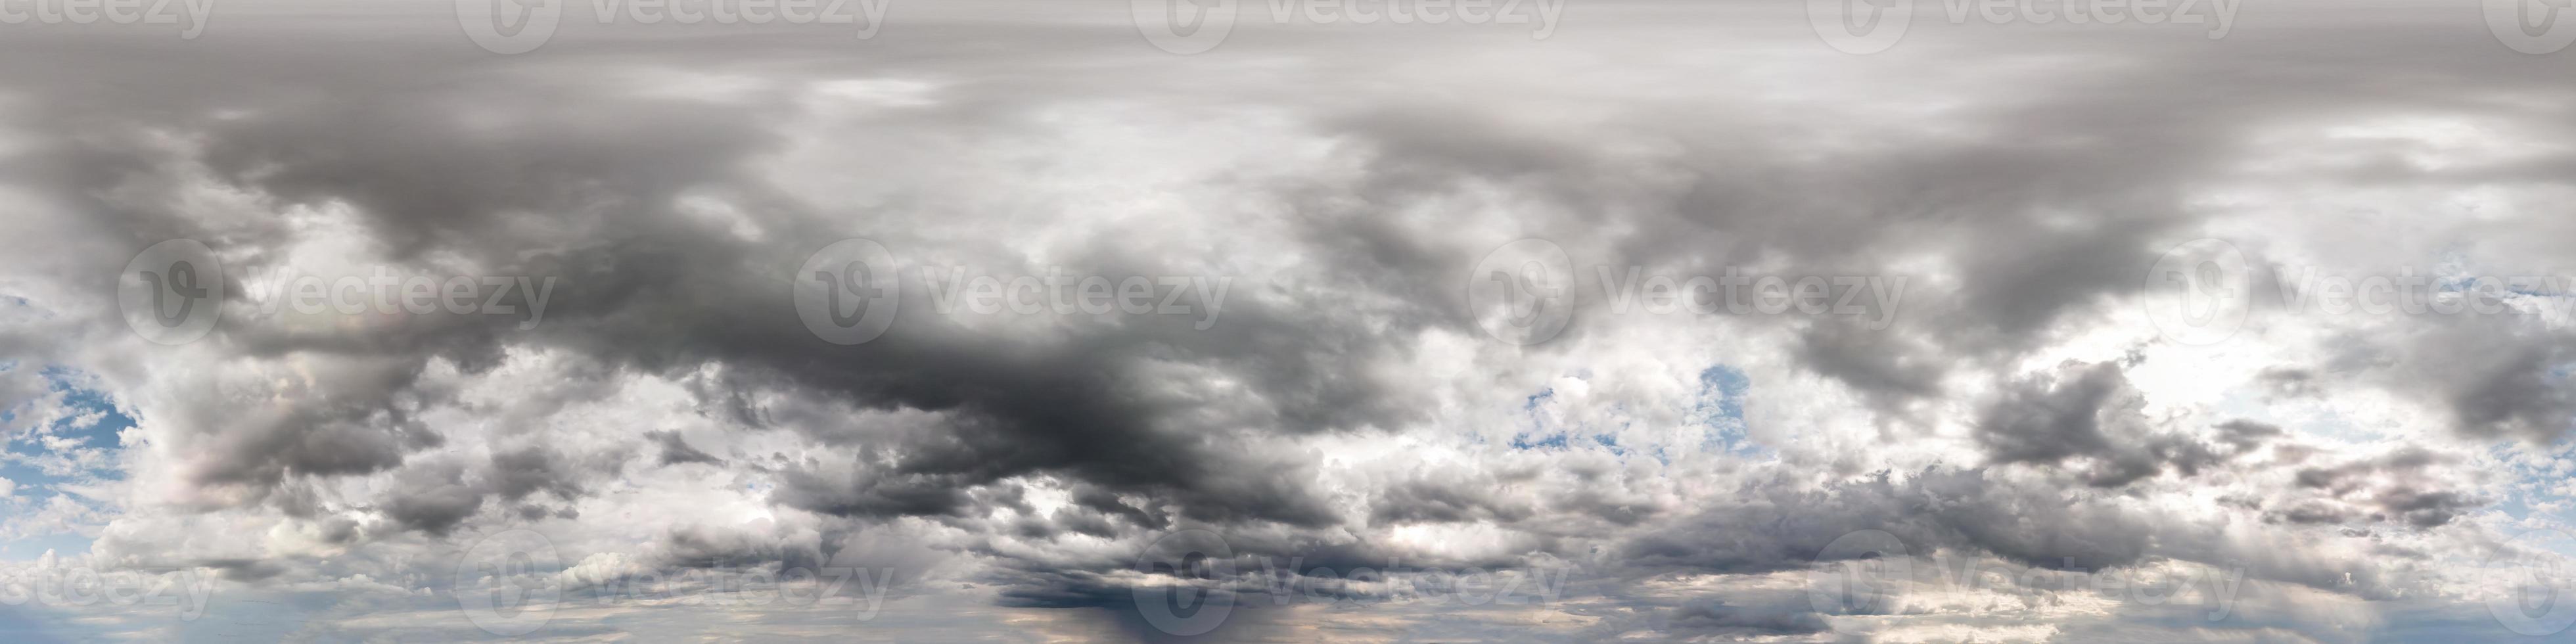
1309, 418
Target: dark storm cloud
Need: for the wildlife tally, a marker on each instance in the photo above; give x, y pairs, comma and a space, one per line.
2087, 418
516, 474
1777, 527
1716, 619
660, 292
432, 497
676, 450
2395, 487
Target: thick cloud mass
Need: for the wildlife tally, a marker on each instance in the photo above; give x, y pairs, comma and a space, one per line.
1997, 407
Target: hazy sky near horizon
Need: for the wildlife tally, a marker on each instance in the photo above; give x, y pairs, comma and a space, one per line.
1278, 320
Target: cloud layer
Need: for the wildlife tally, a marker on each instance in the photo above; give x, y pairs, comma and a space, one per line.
1994, 419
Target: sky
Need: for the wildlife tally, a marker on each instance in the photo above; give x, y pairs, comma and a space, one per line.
1288, 320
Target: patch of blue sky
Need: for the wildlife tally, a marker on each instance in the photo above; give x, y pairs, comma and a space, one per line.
2536, 481
75, 447
1720, 408
1537, 433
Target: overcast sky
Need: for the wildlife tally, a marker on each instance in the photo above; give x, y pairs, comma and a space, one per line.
1287, 320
